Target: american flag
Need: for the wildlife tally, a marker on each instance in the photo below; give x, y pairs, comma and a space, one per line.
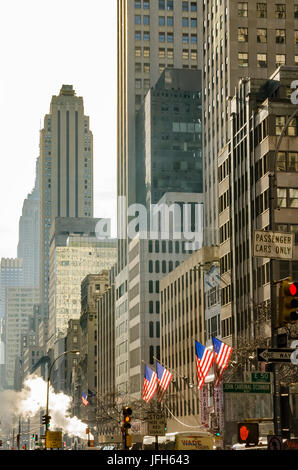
84, 399
164, 378
222, 354
150, 384
204, 359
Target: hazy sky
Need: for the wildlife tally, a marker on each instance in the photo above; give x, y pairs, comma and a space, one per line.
44, 45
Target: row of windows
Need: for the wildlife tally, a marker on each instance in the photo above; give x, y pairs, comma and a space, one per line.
163, 266
224, 169
167, 37
224, 232
164, 246
262, 62
262, 202
280, 122
241, 252
261, 10
225, 295
287, 197
225, 263
261, 168
226, 327
163, 21
166, 5
224, 201
213, 327
280, 35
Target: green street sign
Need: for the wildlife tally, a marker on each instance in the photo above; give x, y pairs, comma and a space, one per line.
247, 387
258, 377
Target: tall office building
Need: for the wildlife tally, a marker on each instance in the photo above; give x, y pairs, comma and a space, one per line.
241, 39
151, 36
11, 275
29, 234
66, 172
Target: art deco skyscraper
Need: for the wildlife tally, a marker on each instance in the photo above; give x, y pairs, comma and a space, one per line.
66, 172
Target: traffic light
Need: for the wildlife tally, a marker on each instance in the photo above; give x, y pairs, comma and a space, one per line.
127, 412
248, 433
288, 302
46, 421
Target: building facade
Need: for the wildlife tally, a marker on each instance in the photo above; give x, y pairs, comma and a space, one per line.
240, 39
182, 317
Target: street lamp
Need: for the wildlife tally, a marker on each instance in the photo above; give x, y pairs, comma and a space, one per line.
49, 375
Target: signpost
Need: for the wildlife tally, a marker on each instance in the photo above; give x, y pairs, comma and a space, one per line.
156, 426
268, 244
274, 354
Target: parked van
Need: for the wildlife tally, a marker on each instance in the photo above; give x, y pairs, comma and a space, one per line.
197, 440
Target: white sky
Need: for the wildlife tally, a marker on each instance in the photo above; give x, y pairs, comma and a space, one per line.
44, 44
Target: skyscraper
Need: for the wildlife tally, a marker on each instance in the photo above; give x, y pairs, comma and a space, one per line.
151, 37
241, 39
66, 172
29, 234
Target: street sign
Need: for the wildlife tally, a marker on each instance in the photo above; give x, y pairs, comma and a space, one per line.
247, 387
274, 354
277, 245
274, 442
258, 377
53, 439
156, 427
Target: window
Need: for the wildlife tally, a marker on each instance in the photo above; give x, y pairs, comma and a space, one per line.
138, 83
296, 11
287, 161
161, 4
242, 9
146, 83
170, 21
146, 5
137, 19
161, 20
280, 59
242, 34
150, 306
157, 266
243, 59
138, 52
193, 6
170, 37
296, 37
193, 54
185, 22
262, 36
170, 53
280, 122
163, 267
146, 51
150, 266
296, 59
138, 35
161, 53
292, 128
170, 5
162, 37
261, 10
185, 54
193, 22
280, 36
137, 4
146, 36
151, 329
280, 11
146, 19
262, 60
185, 6
287, 197
193, 38
138, 67
147, 68
151, 354
185, 38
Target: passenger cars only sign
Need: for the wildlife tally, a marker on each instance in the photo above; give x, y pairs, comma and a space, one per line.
273, 244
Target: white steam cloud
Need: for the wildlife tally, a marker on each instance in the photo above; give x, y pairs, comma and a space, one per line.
32, 399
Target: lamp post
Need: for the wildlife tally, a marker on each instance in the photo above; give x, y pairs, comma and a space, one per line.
49, 377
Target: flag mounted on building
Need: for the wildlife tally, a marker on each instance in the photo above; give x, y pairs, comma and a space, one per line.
84, 399
164, 378
150, 384
222, 354
204, 358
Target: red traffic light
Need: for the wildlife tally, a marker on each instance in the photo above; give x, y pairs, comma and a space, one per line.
293, 288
